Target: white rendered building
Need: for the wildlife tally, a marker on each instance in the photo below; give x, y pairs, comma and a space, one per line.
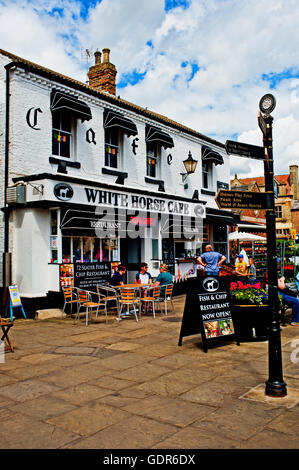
88, 177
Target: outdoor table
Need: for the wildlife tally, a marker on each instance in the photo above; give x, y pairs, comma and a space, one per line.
6, 326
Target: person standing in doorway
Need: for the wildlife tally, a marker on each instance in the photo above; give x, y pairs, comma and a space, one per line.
211, 260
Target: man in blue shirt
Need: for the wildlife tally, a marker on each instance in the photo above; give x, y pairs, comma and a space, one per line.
118, 277
211, 260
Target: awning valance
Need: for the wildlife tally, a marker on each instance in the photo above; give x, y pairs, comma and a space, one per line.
80, 222
155, 135
209, 155
61, 101
114, 119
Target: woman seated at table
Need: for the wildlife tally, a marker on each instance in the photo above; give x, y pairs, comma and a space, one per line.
164, 278
143, 276
118, 277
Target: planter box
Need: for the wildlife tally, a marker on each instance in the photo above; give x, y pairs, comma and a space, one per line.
251, 322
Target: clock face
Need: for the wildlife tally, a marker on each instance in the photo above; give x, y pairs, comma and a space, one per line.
267, 103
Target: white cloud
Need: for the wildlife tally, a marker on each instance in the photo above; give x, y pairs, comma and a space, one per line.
234, 42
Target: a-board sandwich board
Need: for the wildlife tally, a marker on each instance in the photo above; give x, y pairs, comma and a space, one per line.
207, 311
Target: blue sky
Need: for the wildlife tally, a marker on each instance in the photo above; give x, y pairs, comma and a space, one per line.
204, 63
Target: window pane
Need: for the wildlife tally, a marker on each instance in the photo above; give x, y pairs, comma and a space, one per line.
155, 249
86, 249
97, 250
53, 228
111, 156
105, 249
66, 121
76, 249
111, 136
151, 160
66, 249
114, 250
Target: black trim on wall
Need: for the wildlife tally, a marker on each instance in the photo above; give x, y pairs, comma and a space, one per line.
62, 164
74, 179
208, 193
160, 183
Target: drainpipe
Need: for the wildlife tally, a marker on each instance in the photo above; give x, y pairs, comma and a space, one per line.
6, 255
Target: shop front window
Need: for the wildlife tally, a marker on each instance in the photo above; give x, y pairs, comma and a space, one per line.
90, 249
77, 249
87, 249
66, 250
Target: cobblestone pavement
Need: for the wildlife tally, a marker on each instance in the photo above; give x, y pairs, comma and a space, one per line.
129, 385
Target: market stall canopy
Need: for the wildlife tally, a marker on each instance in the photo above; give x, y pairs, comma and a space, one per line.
242, 236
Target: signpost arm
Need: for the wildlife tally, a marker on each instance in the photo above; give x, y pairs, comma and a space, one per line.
275, 386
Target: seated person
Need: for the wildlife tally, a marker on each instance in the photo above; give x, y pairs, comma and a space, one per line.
117, 278
290, 298
163, 278
143, 276
241, 266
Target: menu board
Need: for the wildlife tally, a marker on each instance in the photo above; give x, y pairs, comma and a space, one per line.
66, 275
168, 254
88, 276
207, 310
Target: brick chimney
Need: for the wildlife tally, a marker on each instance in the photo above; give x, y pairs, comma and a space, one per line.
102, 74
294, 181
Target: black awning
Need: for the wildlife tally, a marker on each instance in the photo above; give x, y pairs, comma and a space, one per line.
181, 227
61, 101
113, 119
80, 222
155, 135
209, 155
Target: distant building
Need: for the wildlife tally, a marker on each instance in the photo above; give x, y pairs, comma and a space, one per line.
286, 202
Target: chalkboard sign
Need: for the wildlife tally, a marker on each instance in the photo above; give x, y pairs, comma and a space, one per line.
207, 311
168, 254
88, 275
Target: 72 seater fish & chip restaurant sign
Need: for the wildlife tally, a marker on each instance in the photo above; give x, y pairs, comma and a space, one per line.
207, 311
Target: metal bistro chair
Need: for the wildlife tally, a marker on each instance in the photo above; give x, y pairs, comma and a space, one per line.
151, 296
108, 294
167, 296
85, 300
70, 297
128, 297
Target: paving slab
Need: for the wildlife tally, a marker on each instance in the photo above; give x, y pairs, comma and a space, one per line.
129, 385
133, 433
88, 419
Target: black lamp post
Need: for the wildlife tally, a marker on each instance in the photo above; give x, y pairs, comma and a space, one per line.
275, 386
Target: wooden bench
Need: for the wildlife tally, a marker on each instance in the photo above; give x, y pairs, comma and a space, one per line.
5, 327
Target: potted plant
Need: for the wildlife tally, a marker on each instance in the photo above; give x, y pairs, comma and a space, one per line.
250, 311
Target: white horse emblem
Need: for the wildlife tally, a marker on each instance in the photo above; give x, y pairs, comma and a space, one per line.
210, 284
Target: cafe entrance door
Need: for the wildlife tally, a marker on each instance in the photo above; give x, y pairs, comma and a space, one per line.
130, 253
